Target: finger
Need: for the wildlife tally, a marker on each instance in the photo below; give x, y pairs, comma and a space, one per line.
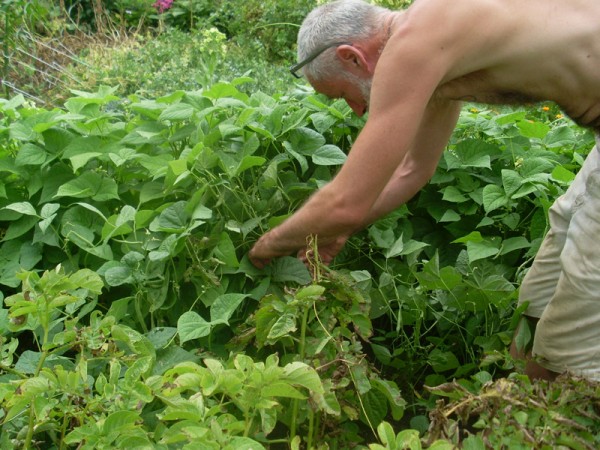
259, 263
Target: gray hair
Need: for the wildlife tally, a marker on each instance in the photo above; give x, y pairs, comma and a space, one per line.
338, 21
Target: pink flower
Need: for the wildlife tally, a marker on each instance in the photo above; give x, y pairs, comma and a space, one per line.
162, 5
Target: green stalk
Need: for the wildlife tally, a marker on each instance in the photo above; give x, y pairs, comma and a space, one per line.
31, 424
301, 351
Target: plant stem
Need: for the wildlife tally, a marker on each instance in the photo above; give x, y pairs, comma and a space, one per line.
31, 424
311, 430
301, 351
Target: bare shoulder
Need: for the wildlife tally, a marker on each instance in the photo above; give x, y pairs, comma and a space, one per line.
437, 40
457, 28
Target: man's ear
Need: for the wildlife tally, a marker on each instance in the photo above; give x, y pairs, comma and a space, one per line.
352, 58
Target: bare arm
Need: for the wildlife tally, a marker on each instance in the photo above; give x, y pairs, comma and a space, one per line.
384, 167
420, 162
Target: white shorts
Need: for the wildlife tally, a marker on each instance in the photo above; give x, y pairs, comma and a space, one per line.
563, 284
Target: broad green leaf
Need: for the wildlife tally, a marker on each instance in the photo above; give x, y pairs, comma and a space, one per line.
303, 375
450, 216
511, 181
177, 112
23, 208
161, 336
453, 195
470, 153
481, 250
387, 435
532, 129
329, 155
281, 389
563, 175
393, 394
408, 439
494, 197
19, 227
283, 326
442, 361
191, 326
247, 163
323, 121
243, 443
87, 279
375, 407
117, 276
49, 210
30, 155
173, 219
224, 251
306, 141
80, 160
474, 236
90, 185
224, 307
290, 269
309, 292
120, 420
514, 243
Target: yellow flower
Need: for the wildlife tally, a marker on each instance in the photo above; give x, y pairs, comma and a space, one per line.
559, 116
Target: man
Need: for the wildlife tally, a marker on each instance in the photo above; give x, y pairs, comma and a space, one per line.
421, 64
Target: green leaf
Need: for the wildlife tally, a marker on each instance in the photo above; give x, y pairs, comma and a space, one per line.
494, 197
387, 435
563, 175
174, 219
281, 389
23, 208
90, 185
481, 250
306, 141
512, 244
531, 129
375, 407
470, 153
442, 361
248, 162
283, 326
87, 279
453, 195
117, 276
329, 155
303, 375
224, 307
119, 421
290, 269
392, 393
191, 326
30, 155
80, 160
177, 112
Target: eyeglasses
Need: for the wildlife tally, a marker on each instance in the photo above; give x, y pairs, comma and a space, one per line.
312, 56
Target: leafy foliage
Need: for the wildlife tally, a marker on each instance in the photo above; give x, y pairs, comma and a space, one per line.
128, 296
516, 413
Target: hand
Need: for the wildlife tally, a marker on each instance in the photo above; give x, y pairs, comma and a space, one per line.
327, 252
262, 253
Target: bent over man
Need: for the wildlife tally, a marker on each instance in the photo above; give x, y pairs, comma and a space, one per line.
411, 70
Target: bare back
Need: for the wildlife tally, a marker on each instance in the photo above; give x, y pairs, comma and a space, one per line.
514, 51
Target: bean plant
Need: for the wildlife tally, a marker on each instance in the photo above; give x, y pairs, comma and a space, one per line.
131, 315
